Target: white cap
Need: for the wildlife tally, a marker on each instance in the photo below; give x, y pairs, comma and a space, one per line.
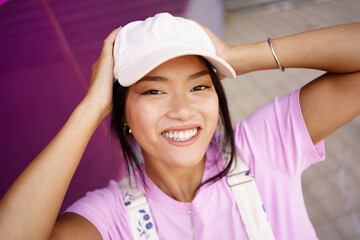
141, 46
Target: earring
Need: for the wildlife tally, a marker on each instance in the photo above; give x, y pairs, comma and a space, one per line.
127, 130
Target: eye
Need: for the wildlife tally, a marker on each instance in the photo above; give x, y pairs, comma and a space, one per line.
152, 92
199, 88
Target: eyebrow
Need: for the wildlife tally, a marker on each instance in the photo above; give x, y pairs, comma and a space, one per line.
159, 78
199, 74
153, 78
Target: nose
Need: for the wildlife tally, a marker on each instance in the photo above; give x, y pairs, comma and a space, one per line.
180, 107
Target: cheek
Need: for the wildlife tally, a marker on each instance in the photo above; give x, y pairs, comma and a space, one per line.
211, 108
141, 117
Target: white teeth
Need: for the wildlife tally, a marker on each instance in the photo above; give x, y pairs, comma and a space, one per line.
181, 135
187, 134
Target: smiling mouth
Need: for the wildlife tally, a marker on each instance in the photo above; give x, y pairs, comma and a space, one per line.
182, 135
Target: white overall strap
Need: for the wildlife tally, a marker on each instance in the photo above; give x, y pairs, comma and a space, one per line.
141, 222
248, 201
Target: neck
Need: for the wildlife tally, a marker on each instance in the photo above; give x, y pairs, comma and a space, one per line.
178, 183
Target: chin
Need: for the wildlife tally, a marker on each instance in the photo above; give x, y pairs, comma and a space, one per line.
184, 162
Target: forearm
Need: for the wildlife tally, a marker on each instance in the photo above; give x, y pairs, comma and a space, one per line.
334, 49
30, 207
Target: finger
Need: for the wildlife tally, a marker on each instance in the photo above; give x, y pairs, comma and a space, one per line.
198, 23
203, 26
109, 42
212, 36
220, 76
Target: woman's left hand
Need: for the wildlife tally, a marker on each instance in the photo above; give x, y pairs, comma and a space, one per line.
222, 49
233, 55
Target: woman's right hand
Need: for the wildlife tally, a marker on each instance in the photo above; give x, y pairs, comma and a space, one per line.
101, 82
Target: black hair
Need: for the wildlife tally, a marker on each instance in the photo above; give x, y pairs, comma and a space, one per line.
132, 162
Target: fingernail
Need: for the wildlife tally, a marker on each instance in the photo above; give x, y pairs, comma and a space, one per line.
118, 26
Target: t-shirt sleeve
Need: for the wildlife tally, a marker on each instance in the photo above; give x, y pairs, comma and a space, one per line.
275, 135
104, 208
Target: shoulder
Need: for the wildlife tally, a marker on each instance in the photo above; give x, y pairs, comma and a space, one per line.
111, 195
105, 209
267, 122
275, 135
273, 112
71, 226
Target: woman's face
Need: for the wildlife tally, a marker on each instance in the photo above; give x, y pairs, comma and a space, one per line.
173, 112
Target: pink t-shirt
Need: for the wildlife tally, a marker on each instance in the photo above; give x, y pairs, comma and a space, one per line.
273, 142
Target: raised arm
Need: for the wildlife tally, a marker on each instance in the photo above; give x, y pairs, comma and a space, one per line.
30, 207
329, 101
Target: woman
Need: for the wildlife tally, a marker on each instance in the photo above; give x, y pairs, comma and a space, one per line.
172, 111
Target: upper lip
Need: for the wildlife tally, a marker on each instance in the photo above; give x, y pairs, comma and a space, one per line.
181, 128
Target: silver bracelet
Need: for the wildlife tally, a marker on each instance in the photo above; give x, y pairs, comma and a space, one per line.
273, 52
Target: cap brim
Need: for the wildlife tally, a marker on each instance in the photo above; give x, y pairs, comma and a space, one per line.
142, 66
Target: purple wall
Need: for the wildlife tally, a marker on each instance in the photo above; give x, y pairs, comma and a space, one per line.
3, 1
47, 50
